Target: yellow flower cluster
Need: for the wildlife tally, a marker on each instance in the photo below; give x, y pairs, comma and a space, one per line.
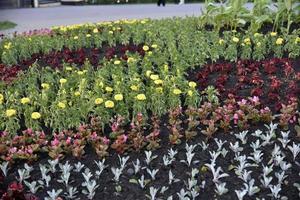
141, 97
117, 62
1, 98
118, 97
36, 115
109, 89
45, 86
154, 46
190, 93
109, 104
62, 80
154, 77
158, 81
279, 41
235, 39
95, 30
273, 34
10, 112
61, 105
159, 90
148, 73
145, 48
247, 41
134, 88
7, 46
221, 41
25, 100
98, 101
176, 91
192, 84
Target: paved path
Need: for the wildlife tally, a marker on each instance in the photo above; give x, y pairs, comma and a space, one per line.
31, 18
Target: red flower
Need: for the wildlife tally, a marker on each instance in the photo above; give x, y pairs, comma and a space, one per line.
257, 92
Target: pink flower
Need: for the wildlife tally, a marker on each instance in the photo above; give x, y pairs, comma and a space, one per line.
235, 118
124, 137
114, 127
68, 141
94, 136
255, 100
12, 150
105, 140
29, 150
55, 142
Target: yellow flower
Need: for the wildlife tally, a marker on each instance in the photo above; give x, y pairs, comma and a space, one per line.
273, 34
221, 41
80, 72
95, 30
117, 62
158, 81
118, 97
130, 59
75, 37
134, 87
149, 53
235, 39
145, 48
141, 97
1, 98
279, 41
154, 77
190, 93
192, 84
109, 104
88, 35
98, 101
166, 67
25, 100
77, 93
159, 89
109, 89
7, 46
110, 32
154, 46
62, 80
101, 84
176, 91
247, 41
297, 40
35, 115
10, 112
61, 105
258, 44
148, 73
45, 86
257, 34
69, 68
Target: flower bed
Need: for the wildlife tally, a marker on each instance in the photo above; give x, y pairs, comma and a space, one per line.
75, 98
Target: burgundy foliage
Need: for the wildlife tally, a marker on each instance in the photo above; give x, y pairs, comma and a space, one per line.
275, 80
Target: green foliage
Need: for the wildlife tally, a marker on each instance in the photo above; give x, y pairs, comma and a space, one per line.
6, 25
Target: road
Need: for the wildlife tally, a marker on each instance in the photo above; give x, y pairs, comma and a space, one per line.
37, 18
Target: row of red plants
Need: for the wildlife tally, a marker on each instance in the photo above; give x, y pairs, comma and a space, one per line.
274, 80
55, 59
122, 136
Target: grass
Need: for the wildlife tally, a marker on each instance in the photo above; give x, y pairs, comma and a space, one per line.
7, 25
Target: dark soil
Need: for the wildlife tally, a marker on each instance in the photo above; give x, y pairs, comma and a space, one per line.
179, 169
275, 81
